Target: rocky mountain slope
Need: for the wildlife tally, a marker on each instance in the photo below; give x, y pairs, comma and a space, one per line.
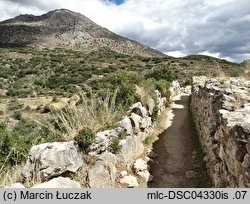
64, 28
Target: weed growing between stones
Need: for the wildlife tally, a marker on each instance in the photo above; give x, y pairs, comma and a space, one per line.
115, 146
148, 140
85, 138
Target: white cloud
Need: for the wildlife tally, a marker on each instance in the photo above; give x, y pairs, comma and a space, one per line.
176, 54
171, 26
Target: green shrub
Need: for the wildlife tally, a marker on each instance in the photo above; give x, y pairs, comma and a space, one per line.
85, 138
115, 146
163, 72
14, 145
151, 84
124, 81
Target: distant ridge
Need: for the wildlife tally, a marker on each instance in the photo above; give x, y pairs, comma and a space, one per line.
64, 28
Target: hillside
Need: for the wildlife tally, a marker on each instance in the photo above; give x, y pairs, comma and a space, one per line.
67, 29
61, 72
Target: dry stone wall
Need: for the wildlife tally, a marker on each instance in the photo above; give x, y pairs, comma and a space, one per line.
221, 112
127, 168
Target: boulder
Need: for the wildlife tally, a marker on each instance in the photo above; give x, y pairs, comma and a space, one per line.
125, 123
140, 165
151, 106
131, 148
103, 173
138, 109
145, 122
102, 140
130, 181
141, 169
136, 121
15, 185
59, 182
174, 88
53, 159
145, 175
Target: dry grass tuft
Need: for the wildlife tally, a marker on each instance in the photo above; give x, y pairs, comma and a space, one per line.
11, 176
91, 112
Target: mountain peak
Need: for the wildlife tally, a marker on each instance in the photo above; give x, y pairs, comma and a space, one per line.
65, 28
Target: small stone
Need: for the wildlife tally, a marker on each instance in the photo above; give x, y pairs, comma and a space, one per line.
15, 185
125, 123
140, 165
59, 182
123, 173
151, 105
146, 122
152, 154
138, 109
130, 181
136, 121
146, 175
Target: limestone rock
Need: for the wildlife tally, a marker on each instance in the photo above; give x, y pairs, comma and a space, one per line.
102, 140
145, 122
15, 185
130, 181
125, 123
59, 182
123, 173
136, 121
145, 175
140, 165
131, 148
138, 109
246, 162
103, 173
151, 106
186, 89
53, 159
174, 88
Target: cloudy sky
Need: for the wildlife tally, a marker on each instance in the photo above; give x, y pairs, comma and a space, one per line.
219, 28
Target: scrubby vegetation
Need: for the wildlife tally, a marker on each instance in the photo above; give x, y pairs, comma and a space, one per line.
57, 94
85, 138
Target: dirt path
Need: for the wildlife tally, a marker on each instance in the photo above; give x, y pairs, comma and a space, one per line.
174, 149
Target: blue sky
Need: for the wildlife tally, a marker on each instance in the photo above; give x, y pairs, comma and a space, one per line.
218, 28
118, 2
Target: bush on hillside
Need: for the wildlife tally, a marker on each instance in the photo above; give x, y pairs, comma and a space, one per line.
124, 81
85, 138
163, 72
